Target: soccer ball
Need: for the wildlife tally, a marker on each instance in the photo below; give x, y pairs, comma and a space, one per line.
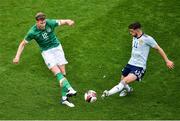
90, 96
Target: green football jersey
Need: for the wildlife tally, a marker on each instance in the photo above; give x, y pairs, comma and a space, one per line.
46, 38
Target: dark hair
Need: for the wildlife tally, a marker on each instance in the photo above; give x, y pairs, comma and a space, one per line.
40, 16
135, 25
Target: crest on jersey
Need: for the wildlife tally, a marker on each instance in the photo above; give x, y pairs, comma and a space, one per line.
141, 42
48, 30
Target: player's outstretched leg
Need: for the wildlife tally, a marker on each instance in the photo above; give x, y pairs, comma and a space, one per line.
123, 84
67, 90
70, 92
114, 90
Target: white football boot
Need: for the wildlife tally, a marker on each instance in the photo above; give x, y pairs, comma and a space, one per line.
71, 93
105, 94
125, 92
66, 102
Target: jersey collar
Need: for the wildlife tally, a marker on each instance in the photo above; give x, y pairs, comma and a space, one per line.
140, 36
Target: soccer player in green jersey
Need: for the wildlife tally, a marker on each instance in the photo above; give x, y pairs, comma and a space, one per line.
51, 50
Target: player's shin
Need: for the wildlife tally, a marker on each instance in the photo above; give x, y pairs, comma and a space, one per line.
63, 93
64, 82
117, 88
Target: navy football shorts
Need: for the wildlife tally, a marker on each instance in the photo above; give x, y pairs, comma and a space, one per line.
138, 71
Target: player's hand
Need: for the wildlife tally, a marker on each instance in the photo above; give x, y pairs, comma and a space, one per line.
16, 60
71, 23
170, 64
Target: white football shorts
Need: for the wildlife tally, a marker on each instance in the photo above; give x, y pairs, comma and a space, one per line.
54, 56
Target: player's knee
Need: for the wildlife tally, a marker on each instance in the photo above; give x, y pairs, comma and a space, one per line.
55, 70
63, 72
126, 80
62, 69
122, 77
130, 78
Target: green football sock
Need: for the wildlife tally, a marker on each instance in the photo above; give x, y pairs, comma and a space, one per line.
63, 91
59, 76
65, 83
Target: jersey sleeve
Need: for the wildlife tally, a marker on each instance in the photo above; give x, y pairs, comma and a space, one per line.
29, 36
53, 22
151, 42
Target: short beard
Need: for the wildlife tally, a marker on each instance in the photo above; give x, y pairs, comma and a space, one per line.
42, 28
135, 35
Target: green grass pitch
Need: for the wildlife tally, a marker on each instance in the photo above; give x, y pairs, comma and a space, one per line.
98, 45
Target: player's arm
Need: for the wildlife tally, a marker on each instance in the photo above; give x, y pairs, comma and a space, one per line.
19, 51
66, 22
169, 63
